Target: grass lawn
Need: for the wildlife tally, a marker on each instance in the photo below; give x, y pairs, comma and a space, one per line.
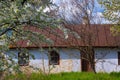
66, 76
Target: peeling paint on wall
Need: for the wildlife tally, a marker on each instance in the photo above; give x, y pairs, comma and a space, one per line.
106, 60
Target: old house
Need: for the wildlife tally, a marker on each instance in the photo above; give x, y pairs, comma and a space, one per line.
65, 55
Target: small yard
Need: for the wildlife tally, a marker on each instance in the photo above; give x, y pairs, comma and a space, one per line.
66, 76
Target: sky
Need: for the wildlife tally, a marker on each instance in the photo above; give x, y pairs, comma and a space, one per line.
97, 11
98, 7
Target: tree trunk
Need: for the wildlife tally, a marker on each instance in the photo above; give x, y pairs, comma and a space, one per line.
1, 75
93, 67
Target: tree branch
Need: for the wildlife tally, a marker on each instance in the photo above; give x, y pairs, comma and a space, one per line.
8, 29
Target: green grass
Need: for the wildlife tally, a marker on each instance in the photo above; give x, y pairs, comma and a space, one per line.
66, 76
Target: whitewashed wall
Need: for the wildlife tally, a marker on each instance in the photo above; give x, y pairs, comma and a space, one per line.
106, 60
69, 60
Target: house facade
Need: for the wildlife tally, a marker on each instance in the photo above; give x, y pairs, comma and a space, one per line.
65, 55
67, 60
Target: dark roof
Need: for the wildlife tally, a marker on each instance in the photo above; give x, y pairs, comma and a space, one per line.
97, 35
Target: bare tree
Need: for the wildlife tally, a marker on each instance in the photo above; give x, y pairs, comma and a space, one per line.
82, 37
80, 12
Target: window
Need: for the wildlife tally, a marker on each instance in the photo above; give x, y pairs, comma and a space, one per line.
23, 59
118, 58
54, 58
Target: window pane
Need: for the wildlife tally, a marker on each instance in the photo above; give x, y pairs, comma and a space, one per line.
23, 58
54, 58
118, 58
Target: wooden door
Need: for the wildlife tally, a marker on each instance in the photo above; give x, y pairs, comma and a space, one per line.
85, 65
